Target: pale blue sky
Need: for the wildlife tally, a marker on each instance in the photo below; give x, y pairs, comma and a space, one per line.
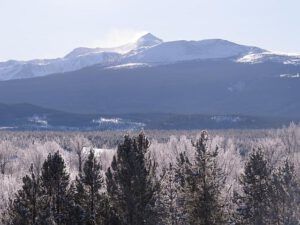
51, 28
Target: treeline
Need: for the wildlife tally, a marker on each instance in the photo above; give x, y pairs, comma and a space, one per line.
132, 191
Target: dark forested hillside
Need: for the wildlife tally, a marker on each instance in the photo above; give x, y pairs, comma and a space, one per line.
30, 117
211, 87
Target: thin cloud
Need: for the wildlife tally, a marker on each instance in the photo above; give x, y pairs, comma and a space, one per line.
118, 37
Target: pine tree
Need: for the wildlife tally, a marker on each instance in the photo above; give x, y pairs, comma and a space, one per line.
204, 185
23, 209
131, 182
285, 196
171, 199
109, 216
182, 172
75, 212
253, 205
54, 184
93, 182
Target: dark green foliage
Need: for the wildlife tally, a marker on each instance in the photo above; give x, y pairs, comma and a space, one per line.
131, 182
171, 199
204, 183
54, 184
75, 212
285, 196
253, 203
267, 197
93, 181
88, 187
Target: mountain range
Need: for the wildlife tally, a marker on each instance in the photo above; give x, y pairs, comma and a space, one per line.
210, 77
146, 51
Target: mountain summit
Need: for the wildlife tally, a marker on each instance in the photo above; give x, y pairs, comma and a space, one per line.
148, 50
148, 40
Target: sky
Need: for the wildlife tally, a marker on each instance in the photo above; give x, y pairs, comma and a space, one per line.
32, 29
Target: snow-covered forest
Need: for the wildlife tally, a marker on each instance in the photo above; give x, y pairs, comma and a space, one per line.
155, 177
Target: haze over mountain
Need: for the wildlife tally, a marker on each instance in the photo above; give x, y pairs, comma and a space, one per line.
146, 51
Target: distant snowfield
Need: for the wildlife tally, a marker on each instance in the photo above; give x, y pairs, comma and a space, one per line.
220, 119
6, 128
107, 120
118, 123
129, 66
284, 58
38, 120
290, 75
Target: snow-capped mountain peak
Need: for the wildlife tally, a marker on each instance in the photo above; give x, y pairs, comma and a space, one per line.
148, 40
81, 51
147, 50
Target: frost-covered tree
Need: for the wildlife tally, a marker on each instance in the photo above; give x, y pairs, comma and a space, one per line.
77, 145
24, 209
168, 197
6, 155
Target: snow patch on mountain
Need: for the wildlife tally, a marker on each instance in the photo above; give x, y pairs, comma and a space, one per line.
232, 119
129, 66
270, 57
290, 75
41, 121
189, 50
117, 124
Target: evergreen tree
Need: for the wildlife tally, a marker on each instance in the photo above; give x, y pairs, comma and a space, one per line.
171, 199
204, 184
93, 182
131, 182
253, 205
23, 209
285, 196
54, 184
109, 216
75, 212
182, 176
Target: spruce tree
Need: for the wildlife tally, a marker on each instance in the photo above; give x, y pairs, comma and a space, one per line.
75, 212
204, 183
131, 182
91, 182
253, 203
173, 191
54, 184
285, 196
23, 209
